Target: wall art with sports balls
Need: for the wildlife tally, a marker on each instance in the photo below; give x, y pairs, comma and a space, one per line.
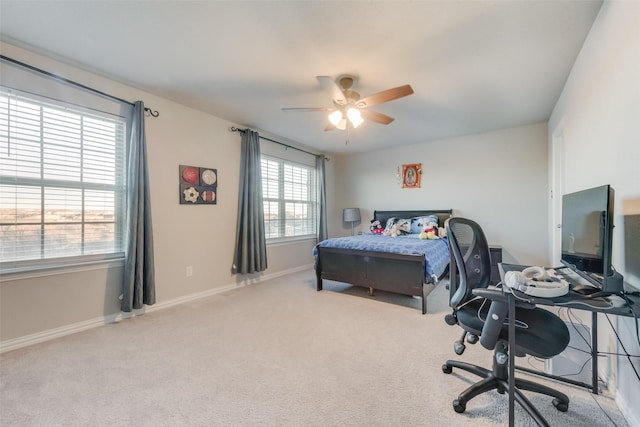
198, 186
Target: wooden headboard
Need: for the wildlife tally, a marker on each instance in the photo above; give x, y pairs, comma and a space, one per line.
442, 214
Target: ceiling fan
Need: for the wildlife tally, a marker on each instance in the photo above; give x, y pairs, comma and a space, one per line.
348, 108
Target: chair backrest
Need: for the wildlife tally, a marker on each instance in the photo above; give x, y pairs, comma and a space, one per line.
471, 252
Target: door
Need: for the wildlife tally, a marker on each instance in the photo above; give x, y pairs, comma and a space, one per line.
556, 192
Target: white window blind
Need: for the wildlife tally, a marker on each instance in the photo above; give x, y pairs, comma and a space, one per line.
62, 181
289, 193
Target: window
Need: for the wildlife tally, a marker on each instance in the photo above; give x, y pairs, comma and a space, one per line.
62, 185
289, 197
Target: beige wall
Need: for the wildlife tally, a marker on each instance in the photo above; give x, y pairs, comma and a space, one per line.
498, 179
599, 112
198, 236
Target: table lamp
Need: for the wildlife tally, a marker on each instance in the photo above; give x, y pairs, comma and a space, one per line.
351, 215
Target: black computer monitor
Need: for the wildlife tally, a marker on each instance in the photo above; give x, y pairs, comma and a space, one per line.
587, 233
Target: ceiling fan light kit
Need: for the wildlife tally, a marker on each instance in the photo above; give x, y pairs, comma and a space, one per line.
339, 121
347, 102
335, 117
354, 117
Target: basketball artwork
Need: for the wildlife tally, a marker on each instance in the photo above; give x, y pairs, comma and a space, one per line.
198, 185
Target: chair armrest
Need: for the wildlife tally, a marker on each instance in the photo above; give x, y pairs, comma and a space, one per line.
496, 316
493, 294
497, 295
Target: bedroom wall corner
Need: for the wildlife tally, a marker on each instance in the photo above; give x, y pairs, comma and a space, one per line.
599, 108
497, 178
199, 236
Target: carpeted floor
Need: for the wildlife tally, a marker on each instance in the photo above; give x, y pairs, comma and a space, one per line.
277, 353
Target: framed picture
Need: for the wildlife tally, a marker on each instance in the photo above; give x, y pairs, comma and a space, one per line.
197, 185
411, 175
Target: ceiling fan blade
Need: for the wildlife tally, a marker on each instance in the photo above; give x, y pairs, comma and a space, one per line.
329, 127
374, 116
308, 110
385, 96
334, 90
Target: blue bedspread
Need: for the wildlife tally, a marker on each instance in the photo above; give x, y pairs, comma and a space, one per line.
436, 252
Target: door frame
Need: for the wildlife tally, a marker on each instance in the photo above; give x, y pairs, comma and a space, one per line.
557, 189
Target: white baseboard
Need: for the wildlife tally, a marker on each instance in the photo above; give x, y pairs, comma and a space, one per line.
50, 334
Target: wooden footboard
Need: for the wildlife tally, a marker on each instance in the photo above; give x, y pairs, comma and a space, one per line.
399, 273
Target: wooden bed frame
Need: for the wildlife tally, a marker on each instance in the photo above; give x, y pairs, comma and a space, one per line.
399, 273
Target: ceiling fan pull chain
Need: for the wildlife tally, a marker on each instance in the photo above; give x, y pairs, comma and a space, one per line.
347, 141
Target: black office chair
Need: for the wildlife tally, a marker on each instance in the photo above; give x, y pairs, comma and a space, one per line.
539, 332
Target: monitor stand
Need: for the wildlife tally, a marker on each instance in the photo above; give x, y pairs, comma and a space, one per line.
613, 283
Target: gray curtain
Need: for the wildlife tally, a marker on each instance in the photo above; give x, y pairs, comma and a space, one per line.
139, 281
322, 198
251, 248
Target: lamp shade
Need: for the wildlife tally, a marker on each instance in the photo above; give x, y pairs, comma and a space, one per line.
351, 214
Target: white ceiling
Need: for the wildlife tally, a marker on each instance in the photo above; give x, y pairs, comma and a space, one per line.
475, 66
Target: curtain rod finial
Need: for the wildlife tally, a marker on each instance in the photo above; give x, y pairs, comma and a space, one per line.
151, 112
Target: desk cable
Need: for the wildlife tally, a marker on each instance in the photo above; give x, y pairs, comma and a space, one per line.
593, 396
571, 374
574, 321
626, 353
630, 304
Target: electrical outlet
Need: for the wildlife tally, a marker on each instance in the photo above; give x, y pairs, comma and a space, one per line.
189, 271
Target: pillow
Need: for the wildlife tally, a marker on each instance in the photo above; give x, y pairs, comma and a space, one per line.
405, 224
389, 225
419, 222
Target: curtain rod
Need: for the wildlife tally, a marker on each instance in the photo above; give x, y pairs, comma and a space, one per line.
235, 129
71, 82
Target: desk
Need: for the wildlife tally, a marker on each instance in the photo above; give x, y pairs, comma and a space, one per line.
571, 300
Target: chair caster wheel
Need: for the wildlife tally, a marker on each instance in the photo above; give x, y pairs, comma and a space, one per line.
447, 369
561, 406
450, 320
458, 347
472, 339
458, 406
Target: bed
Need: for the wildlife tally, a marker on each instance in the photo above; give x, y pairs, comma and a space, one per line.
387, 267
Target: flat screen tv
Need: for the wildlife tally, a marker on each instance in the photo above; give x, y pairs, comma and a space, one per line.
587, 232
